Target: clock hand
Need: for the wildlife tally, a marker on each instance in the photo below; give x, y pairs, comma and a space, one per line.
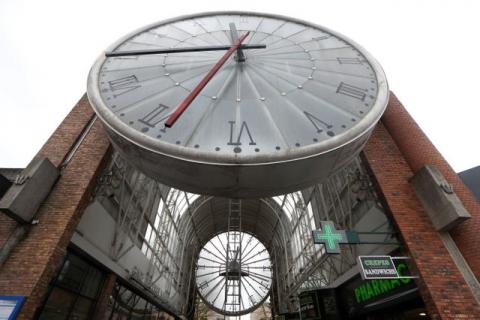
239, 56
178, 50
188, 100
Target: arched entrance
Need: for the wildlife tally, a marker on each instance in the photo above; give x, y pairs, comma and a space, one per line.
157, 233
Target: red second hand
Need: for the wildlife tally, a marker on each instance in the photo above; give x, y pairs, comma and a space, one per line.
188, 100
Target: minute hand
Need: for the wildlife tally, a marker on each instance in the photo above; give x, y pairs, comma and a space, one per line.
180, 49
188, 100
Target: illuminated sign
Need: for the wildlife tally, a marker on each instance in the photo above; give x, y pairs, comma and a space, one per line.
377, 267
381, 267
371, 289
329, 237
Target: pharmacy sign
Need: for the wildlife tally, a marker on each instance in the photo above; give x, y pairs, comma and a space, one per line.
329, 237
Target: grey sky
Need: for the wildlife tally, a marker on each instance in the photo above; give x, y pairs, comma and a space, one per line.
429, 50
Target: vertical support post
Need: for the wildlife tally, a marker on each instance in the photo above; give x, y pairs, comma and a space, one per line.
101, 309
233, 262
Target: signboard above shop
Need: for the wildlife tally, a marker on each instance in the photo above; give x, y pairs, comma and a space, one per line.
377, 267
381, 296
380, 267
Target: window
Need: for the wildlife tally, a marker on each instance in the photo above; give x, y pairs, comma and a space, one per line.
74, 291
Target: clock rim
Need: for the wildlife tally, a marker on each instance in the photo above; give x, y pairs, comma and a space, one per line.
111, 120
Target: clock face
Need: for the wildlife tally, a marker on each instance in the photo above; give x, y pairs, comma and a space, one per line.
310, 91
238, 284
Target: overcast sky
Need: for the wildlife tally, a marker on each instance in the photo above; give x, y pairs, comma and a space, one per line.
429, 50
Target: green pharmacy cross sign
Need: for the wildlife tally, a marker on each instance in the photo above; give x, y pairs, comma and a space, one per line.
330, 237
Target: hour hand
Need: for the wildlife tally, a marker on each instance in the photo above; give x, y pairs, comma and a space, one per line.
239, 56
178, 50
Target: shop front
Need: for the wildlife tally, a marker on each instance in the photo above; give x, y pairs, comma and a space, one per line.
358, 299
80, 287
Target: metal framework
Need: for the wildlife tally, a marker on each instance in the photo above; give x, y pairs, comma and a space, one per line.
238, 282
171, 227
233, 294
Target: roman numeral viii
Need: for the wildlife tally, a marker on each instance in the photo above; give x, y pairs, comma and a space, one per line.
243, 129
155, 116
124, 85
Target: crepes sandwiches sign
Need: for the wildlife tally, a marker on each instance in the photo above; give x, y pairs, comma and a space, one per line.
377, 267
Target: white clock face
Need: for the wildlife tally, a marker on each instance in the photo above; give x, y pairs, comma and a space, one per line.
305, 87
236, 286
308, 92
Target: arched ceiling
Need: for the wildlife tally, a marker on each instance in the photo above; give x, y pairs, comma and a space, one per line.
262, 218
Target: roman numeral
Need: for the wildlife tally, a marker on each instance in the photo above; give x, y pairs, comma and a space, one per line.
325, 37
124, 85
351, 91
154, 117
243, 128
317, 123
349, 61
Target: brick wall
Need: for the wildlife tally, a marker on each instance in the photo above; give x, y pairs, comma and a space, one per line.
56, 148
418, 151
36, 259
441, 285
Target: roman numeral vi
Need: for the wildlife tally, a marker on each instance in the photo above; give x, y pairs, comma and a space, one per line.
244, 128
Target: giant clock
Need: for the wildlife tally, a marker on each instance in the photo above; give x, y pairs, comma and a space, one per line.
237, 104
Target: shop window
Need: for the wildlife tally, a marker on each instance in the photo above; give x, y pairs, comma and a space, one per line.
74, 291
